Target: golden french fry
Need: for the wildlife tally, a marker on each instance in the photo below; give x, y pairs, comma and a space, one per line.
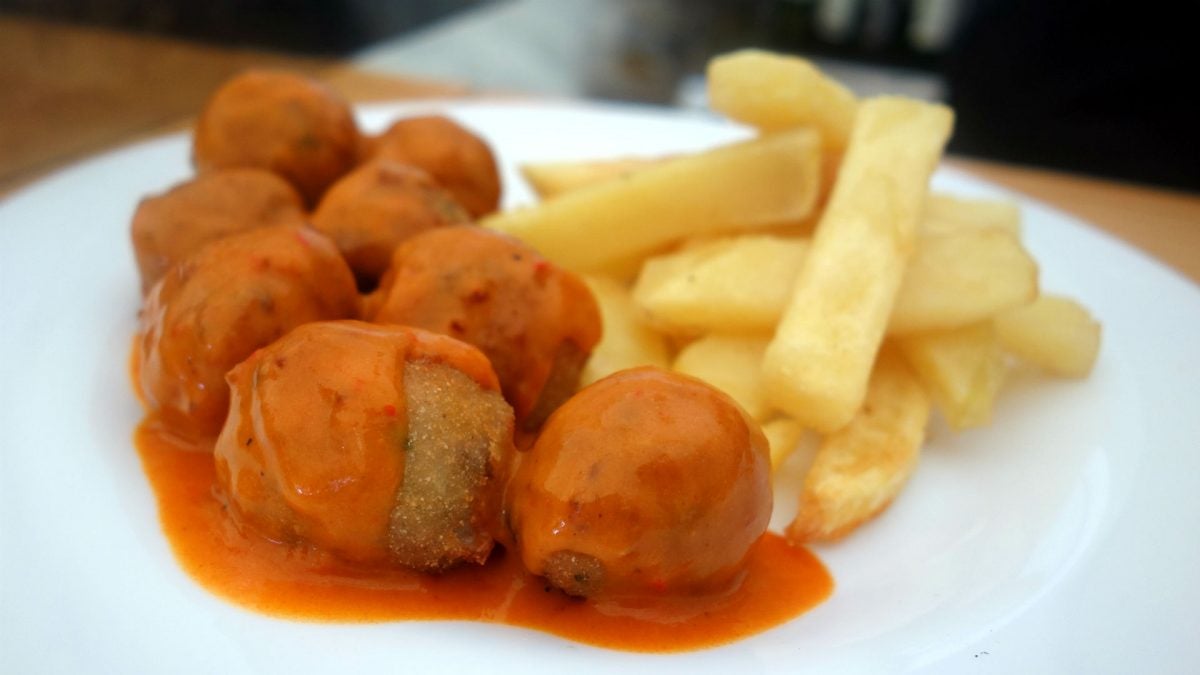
783, 435
859, 469
732, 284
946, 213
549, 179
817, 367
732, 364
774, 92
626, 342
962, 368
1054, 333
958, 278
756, 183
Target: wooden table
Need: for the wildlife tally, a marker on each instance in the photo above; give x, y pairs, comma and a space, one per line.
67, 92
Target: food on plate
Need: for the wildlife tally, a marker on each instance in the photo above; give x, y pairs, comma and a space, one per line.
382, 444
646, 482
859, 469
817, 366
758, 183
537, 323
549, 179
957, 278
729, 363
961, 368
170, 226
1053, 333
458, 159
281, 122
215, 307
626, 340
948, 213
370, 210
783, 435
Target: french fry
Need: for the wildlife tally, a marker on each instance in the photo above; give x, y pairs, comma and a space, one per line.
757, 183
550, 179
963, 369
859, 469
958, 278
732, 364
774, 92
732, 284
1054, 333
946, 213
783, 435
817, 366
626, 342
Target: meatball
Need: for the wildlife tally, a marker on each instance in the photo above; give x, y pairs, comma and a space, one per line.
377, 206
381, 444
221, 303
281, 122
535, 322
646, 482
169, 227
458, 159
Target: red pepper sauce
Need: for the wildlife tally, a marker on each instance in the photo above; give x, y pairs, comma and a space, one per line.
781, 581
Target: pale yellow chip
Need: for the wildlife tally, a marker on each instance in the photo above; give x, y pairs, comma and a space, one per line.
758, 183
819, 362
860, 469
1054, 333
947, 213
783, 435
732, 284
732, 364
958, 278
962, 368
626, 342
549, 179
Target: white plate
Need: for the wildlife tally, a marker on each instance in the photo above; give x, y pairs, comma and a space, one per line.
1063, 538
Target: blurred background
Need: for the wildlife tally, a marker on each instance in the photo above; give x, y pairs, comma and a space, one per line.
1093, 87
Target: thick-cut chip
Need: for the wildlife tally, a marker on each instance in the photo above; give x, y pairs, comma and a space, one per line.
958, 278
626, 342
860, 469
783, 435
732, 284
757, 183
945, 213
550, 179
1054, 333
774, 92
962, 368
818, 365
732, 364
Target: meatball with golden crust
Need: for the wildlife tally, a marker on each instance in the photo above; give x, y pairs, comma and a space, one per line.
537, 323
644, 483
168, 227
458, 159
281, 122
218, 305
378, 205
381, 444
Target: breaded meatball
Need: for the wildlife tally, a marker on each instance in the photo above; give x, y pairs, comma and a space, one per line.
168, 227
646, 482
381, 444
537, 323
281, 122
375, 207
456, 158
218, 305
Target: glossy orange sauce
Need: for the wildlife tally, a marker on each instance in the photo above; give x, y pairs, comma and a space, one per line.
781, 581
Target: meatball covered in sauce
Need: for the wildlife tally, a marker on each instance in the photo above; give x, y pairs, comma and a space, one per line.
375, 207
218, 305
381, 444
281, 122
644, 483
535, 322
168, 227
456, 158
